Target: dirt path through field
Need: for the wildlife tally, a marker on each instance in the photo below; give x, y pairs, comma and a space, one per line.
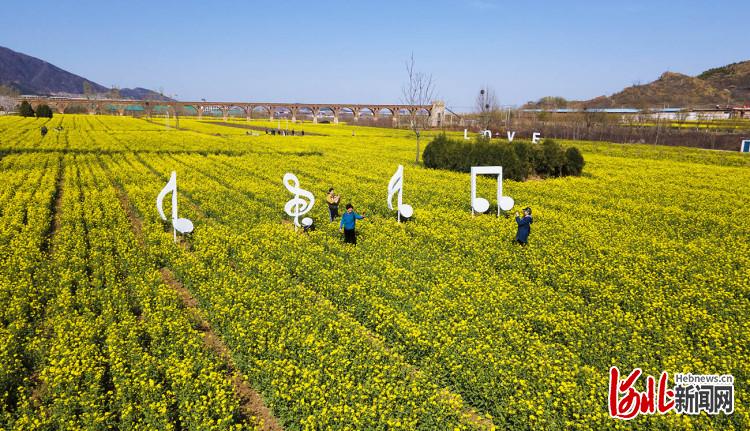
252, 404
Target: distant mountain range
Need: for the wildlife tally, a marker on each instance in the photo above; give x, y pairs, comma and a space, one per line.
30, 75
726, 85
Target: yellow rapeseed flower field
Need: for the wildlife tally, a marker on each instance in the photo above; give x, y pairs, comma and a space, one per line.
437, 323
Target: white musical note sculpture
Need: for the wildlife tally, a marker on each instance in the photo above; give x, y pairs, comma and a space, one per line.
297, 206
181, 225
481, 205
397, 185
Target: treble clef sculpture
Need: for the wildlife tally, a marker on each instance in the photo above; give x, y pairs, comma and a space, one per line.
297, 206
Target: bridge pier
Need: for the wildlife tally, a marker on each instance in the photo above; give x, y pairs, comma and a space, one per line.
315, 112
336, 112
294, 113
270, 113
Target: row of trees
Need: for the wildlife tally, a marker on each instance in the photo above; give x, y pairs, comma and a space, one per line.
42, 111
519, 159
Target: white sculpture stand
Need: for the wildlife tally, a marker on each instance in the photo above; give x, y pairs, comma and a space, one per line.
396, 185
297, 206
181, 225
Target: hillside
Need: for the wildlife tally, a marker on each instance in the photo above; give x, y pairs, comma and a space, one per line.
726, 85
30, 75
734, 77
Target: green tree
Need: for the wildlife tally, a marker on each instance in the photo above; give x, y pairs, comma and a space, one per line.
25, 109
553, 158
43, 111
573, 162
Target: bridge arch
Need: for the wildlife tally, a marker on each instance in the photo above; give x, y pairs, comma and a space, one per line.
348, 113
365, 111
212, 111
305, 113
235, 111
190, 109
259, 111
282, 112
386, 111
422, 112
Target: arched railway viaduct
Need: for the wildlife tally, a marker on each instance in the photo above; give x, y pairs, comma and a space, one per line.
435, 111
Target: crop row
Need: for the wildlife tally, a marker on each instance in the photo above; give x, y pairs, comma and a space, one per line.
95, 339
436, 323
471, 326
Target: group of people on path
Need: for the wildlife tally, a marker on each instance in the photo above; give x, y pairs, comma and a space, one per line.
283, 132
348, 222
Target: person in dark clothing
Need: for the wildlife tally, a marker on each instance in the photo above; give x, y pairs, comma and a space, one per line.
524, 226
44, 130
332, 199
348, 224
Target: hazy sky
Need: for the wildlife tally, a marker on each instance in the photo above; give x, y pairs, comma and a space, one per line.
354, 51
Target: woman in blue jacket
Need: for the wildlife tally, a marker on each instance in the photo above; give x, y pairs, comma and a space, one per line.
524, 226
348, 223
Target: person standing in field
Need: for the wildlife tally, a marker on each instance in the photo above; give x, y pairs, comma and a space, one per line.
524, 226
332, 199
348, 224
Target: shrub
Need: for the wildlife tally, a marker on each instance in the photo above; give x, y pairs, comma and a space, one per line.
518, 159
43, 111
25, 109
573, 162
551, 159
525, 155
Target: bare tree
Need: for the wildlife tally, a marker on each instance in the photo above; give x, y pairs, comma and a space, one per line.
486, 105
8, 98
88, 90
114, 92
418, 90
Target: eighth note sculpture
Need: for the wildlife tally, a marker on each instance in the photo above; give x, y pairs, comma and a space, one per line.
181, 225
397, 185
297, 206
481, 205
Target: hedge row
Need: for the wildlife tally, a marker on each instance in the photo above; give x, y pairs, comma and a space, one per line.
519, 159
